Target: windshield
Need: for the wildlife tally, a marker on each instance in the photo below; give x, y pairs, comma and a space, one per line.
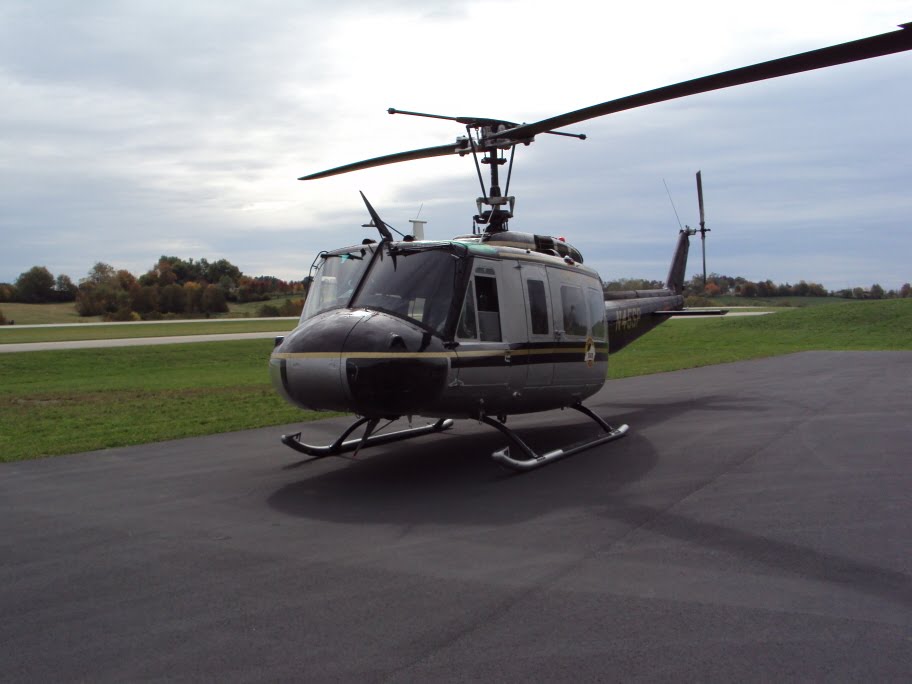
414, 282
338, 274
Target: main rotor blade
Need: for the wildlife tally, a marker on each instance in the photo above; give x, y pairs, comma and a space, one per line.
865, 48
700, 197
439, 151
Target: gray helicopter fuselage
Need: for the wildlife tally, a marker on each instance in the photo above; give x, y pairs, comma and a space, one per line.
458, 328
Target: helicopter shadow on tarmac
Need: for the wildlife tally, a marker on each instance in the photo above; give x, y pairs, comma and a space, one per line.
450, 477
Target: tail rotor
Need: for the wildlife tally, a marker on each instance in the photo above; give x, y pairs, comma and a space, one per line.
703, 229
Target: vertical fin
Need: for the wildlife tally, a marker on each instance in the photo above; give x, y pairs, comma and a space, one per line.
678, 270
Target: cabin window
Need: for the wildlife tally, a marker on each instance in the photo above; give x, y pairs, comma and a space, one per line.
597, 313
488, 308
467, 328
414, 284
336, 279
538, 307
574, 308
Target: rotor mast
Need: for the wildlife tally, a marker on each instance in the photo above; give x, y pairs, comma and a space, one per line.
501, 207
490, 136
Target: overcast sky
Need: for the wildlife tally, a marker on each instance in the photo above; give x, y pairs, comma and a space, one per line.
129, 130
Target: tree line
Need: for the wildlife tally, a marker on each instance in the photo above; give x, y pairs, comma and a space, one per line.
720, 285
176, 287
173, 287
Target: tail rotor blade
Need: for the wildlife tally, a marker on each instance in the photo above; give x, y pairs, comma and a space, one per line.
703, 229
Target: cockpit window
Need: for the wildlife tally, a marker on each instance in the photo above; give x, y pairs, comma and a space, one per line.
412, 282
337, 277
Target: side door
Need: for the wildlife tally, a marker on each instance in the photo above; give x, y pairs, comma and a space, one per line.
539, 327
570, 318
490, 327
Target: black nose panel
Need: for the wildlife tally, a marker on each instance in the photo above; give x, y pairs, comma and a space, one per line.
306, 368
393, 367
324, 333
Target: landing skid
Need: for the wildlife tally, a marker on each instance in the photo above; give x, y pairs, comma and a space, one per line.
532, 460
341, 445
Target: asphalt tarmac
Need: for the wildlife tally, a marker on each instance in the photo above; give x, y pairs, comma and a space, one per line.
755, 525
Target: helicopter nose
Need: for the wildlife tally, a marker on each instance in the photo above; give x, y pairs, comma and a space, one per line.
365, 362
306, 367
393, 367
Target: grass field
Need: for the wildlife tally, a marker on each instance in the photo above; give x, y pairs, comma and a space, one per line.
690, 343
68, 401
10, 333
731, 300
251, 308
37, 314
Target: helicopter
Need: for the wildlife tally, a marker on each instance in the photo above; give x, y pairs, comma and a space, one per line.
493, 323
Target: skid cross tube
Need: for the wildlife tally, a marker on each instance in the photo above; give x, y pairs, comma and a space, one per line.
533, 460
341, 445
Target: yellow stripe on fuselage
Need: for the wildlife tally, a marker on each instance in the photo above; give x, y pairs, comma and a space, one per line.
478, 353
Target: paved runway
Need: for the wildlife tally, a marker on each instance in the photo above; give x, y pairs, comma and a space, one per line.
756, 524
15, 347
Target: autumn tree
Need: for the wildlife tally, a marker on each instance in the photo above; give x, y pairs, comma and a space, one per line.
623, 284
100, 273
223, 272
213, 300
125, 279
144, 298
172, 299
905, 290
748, 289
194, 297
100, 292
292, 307
65, 290
35, 286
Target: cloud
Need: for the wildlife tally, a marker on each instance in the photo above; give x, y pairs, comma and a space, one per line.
132, 130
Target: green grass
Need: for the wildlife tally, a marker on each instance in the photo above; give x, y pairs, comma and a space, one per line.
68, 401
38, 314
251, 308
775, 302
688, 343
100, 331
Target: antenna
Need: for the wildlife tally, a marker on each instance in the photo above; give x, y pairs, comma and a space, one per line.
673, 207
